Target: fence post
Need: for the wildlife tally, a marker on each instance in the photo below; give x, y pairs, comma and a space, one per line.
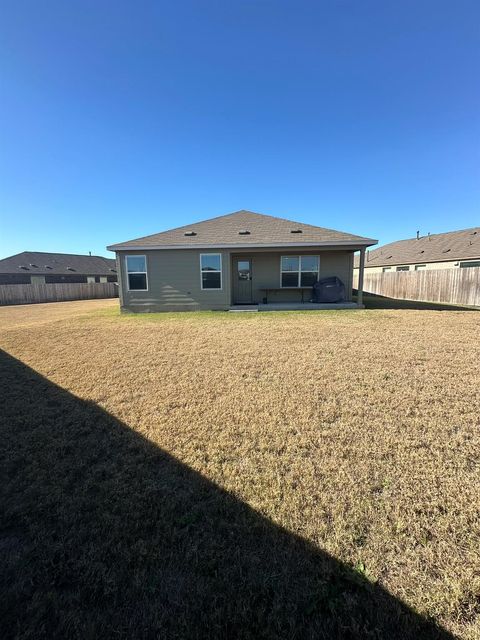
361, 269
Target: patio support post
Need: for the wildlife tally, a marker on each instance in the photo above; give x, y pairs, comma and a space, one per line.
361, 269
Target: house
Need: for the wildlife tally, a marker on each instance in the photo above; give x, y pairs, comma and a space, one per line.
242, 258
37, 267
454, 249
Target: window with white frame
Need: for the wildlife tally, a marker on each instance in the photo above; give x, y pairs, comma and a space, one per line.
386, 269
211, 270
136, 267
403, 268
420, 267
299, 271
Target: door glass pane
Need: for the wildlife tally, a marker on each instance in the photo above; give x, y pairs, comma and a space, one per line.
289, 263
243, 267
309, 263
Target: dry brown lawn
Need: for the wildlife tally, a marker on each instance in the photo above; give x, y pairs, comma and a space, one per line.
193, 475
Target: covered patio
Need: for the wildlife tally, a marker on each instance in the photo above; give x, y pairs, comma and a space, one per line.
284, 280
295, 306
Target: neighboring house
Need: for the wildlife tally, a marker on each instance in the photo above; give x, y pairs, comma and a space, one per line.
454, 249
237, 259
36, 267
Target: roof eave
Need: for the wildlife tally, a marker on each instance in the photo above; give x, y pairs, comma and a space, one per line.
361, 242
395, 263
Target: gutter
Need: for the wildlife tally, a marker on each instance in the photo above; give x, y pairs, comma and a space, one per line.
424, 261
366, 242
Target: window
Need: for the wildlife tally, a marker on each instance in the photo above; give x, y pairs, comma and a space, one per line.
471, 263
91, 279
403, 268
420, 267
103, 279
211, 270
136, 273
385, 269
37, 279
243, 268
299, 271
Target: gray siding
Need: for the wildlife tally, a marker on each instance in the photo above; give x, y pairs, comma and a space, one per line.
174, 278
174, 282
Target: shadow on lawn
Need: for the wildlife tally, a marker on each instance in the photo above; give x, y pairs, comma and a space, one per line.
106, 536
376, 301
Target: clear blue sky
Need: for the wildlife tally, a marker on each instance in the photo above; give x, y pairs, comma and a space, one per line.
120, 119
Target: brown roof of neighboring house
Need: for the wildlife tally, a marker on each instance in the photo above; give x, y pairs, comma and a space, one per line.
438, 247
243, 228
41, 263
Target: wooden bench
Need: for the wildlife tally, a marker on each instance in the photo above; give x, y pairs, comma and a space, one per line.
273, 289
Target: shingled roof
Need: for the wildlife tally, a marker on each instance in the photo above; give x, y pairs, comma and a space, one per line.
438, 247
243, 229
38, 262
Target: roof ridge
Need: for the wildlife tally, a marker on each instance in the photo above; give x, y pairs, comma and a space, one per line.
59, 253
32, 254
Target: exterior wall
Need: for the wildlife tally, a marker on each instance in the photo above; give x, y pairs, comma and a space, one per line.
174, 282
14, 278
24, 278
453, 264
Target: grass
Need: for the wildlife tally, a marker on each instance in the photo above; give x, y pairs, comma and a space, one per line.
214, 475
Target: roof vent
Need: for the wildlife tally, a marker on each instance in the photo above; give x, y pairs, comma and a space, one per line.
244, 232
113, 270
189, 233
295, 231
70, 269
22, 266
34, 265
445, 250
474, 233
422, 251
47, 266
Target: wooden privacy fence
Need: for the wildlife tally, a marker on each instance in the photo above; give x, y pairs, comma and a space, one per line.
30, 293
455, 286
